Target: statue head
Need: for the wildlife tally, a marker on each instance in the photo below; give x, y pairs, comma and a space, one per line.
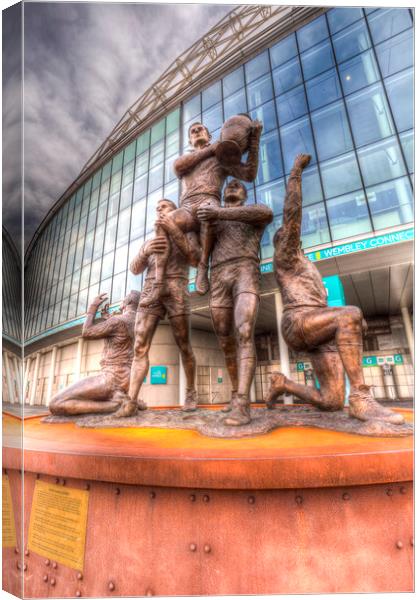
235, 193
198, 135
165, 206
131, 301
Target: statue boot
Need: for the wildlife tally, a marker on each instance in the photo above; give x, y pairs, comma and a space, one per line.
128, 408
153, 296
202, 283
365, 408
231, 404
191, 401
240, 414
277, 388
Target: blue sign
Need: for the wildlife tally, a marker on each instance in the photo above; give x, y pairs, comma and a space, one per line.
335, 291
158, 375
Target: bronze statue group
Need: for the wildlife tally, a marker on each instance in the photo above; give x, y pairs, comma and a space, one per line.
224, 241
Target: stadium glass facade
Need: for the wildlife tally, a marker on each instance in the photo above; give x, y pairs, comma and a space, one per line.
339, 87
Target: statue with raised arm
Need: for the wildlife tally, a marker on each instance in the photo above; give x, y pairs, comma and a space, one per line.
203, 172
235, 289
182, 251
331, 336
104, 392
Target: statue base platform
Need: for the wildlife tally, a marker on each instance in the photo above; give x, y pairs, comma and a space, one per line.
173, 512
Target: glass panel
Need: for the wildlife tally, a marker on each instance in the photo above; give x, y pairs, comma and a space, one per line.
192, 108
407, 143
123, 226
359, 72
257, 66
369, 115
291, 105
113, 206
96, 180
233, 82
287, 76
283, 51
117, 162
259, 91
87, 254
126, 196
84, 277
138, 219
348, 215
331, 130
118, 288
323, 89
142, 164
111, 229
296, 138
272, 195
75, 282
381, 161
152, 201
391, 203
266, 114
351, 41
213, 118
312, 33
96, 270
99, 240
317, 59
212, 95
143, 142
338, 18
314, 226
72, 306
156, 153
172, 144
105, 286
172, 191
155, 178
91, 293
396, 54
236, 103
172, 121
140, 187
400, 90
107, 265
311, 186
121, 259
387, 22
169, 169
270, 166
129, 153
340, 175
158, 131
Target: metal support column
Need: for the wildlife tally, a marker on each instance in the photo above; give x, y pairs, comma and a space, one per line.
408, 328
34, 385
284, 350
51, 374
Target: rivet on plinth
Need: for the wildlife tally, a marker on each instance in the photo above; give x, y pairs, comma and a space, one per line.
149, 592
78, 593
399, 544
251, 500
79, 576
117, 491
152, 495
346, 496
402, 490
193, 547
389, 492
111, 586
206, 498
52, 582
192, 497
45, 578
207, 549
299, 499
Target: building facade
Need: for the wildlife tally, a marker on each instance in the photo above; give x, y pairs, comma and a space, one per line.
334, 83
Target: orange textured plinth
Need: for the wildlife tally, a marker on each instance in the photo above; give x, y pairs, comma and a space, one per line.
172, 512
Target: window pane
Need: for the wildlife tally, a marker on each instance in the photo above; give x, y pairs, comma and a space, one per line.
348, 215
323, 89
142, 164
266, 114
340, 175
111, 229
283, 51
123, 226
317, 59
107, 265
311, 186
172, 144
270, 166
359, 72
314, 226
140, 187
391, 203
129, 153
99, 241
84, 277
331, 130
257, 66
192, 108
126, 196
169, 169
291, 105
396, 54
117, 162
401, 96
156, 153
381, 161
233, 82
143, 142
338, 18
121, 259
158, 132
272, 195
260, 91
351, 41
236, 103
138, 219
212, 95
312, 33
287, 76
387, 22
267, 249
369, 115
172, 191
118, 287
172, 121
151, 216
407, 142
96, 271
213, 118
296, 138
155, 177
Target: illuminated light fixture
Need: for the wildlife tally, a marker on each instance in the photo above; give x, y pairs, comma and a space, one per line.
348, 77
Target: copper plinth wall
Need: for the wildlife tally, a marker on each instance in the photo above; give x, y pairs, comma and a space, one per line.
203, 516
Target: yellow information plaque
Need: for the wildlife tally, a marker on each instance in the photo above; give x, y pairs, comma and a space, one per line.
57, 527
8, 517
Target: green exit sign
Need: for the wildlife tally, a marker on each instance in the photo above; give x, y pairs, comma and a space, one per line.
158, 375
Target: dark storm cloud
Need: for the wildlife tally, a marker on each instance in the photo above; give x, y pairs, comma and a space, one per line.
85, 64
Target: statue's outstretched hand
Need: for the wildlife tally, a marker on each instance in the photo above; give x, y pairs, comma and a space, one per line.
257, 127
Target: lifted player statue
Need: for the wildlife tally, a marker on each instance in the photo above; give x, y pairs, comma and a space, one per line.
331, 336
235, 288
202, 176
182, 250
103, 393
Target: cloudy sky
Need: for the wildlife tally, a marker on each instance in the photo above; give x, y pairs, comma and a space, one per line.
85, 64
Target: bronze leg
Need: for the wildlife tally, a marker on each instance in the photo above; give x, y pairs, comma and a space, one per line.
245, 315
90, 395
144, 330
181, 331
222, 322
207, 239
